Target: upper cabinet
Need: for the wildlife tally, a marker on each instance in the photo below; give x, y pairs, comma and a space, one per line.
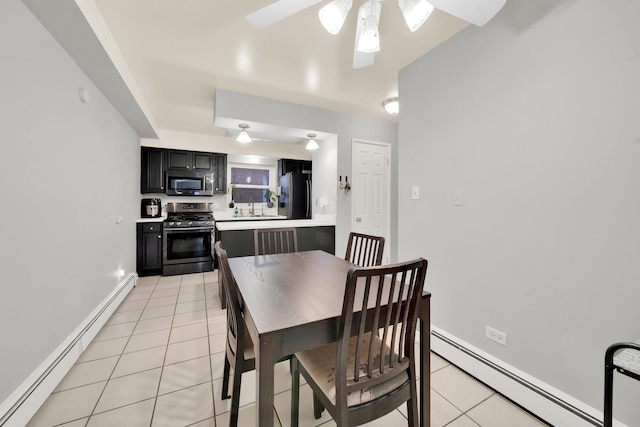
155, 161
190, 160
220, 162
290, 165
152, 170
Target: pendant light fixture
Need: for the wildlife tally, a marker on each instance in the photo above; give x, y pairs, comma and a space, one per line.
332, 16
312, 144
243, 136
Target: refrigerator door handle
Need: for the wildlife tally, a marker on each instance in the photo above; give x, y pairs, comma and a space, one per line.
308, 198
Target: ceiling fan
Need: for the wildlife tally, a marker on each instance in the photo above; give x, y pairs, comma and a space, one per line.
415, 13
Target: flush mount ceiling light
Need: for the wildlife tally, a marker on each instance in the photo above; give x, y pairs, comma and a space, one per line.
312, 144
334, 13
243, 136
392, 105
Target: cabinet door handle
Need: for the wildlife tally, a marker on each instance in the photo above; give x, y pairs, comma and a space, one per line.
151, 228
358, 219
159, 236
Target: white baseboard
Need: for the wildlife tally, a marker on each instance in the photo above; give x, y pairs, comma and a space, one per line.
548, 403
25, 401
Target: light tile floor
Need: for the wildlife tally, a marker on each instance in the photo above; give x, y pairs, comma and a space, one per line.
159, 360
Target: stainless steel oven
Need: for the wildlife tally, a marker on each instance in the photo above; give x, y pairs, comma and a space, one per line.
188, 238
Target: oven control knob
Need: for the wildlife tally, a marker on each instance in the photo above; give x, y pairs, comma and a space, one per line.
172, 223
189, 223
178, 223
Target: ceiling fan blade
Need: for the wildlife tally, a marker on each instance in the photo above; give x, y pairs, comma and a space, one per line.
478, 12
277, 11
362, 59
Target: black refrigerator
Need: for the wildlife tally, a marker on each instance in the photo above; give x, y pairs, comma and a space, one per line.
295, 196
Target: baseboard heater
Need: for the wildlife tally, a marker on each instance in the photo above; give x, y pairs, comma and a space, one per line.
20, 407
540, 399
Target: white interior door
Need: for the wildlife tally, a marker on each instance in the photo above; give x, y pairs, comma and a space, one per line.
371, 165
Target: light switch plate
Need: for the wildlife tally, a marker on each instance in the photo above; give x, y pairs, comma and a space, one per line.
415, 192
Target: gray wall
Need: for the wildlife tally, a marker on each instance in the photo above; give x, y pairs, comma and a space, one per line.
345, 126
535, 118
67, 170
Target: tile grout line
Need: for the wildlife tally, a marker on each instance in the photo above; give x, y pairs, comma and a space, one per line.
118, 361
155, 402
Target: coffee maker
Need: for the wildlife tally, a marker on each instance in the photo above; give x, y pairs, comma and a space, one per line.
151, 208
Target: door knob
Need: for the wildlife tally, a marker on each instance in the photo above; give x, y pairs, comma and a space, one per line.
358, 219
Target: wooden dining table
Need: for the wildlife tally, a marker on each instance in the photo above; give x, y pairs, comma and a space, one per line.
293, 302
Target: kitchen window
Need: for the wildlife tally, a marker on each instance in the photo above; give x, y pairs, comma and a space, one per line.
251, 182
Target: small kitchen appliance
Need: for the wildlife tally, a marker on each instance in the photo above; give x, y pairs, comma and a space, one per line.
151, 208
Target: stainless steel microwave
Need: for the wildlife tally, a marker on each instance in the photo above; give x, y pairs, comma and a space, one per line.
189, 183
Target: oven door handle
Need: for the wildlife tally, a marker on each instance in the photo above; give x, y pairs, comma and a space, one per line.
168, 230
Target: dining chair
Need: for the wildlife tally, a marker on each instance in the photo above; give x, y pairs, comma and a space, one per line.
239, 347
275, 241
623, 357
362, 377
364, 250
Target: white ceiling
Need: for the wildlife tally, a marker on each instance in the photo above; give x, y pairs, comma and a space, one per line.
180, 51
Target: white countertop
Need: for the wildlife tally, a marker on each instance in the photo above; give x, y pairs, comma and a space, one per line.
251, 225
228, 216
157, 219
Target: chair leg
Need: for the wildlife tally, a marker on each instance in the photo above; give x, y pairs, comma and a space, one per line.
412, 413
608, 396
317, 407
295, 391
235, 394
225, 378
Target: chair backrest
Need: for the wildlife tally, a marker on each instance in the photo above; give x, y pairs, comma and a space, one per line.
393, 308
364, 250
235, 319
275, 241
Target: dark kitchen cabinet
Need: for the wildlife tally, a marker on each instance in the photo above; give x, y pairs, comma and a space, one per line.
155, 162
149, 248
291, 165
220, 186
152, 170
190, 160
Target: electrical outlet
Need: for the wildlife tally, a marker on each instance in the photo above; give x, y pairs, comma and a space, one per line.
497, 336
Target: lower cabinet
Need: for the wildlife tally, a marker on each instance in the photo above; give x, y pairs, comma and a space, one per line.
149, 249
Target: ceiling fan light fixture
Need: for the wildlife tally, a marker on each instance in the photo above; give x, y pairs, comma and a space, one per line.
369, 39
392, 105
415, 12
243, 136
333, 15
312, 144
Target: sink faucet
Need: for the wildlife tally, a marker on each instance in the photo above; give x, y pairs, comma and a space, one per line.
252, 210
